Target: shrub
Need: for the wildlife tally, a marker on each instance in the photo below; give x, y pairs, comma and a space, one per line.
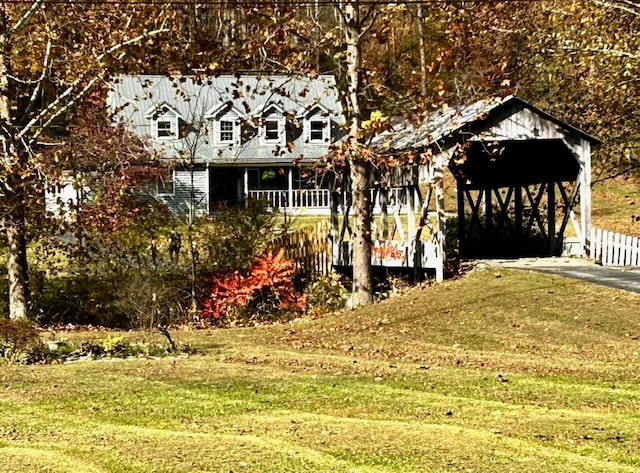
124, 278
20, 343
266, 292
326, 294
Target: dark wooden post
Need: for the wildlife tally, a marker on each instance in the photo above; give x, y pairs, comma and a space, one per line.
551, 213
518, 212
488, 213
461, 223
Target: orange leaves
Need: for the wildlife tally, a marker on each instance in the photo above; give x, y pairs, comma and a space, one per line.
266, 290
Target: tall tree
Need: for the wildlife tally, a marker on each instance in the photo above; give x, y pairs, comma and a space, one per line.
51, 56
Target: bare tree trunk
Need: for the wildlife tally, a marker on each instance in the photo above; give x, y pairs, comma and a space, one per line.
423, 54
360, 168
17, 268
11, 187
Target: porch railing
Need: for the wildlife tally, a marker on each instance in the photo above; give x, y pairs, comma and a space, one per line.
275, 198
316, 198
301, 198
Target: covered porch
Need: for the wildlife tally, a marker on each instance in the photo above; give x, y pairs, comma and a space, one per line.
291, 189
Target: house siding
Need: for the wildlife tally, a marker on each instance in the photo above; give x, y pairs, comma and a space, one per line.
182, 199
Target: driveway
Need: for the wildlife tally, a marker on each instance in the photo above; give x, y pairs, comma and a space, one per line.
611, 276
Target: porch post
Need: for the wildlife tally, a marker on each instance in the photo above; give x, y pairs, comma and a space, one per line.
245, 185
290, 185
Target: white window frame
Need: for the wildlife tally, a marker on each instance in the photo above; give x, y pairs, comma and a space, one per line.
280, 129
217, 131
166, 116
326, 130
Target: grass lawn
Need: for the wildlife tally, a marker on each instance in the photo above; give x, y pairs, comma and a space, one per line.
616, 205
500, 370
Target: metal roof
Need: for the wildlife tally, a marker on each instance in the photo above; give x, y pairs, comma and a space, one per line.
444, 124
193, 99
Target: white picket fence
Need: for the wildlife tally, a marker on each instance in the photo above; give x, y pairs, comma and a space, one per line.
614, 249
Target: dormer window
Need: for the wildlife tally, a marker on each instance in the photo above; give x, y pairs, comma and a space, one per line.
165, 122
166, 129
226, 132
226, 128
317, 125
318, 131
272, 129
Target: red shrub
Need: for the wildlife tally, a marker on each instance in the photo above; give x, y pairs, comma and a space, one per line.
263, 292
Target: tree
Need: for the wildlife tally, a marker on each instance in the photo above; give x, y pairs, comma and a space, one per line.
577, 59
51, 56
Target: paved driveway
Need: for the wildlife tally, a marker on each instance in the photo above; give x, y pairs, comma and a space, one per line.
612, 276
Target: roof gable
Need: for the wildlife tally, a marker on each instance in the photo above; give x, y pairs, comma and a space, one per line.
495, 117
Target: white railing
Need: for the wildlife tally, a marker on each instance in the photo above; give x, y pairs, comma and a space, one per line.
614, 249
275, 198
311, 198
320, 198
301, 198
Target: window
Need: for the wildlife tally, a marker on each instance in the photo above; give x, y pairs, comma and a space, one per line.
271, 130
164, 122
226, 131
318, 131
317, 125
272, 125
165, 185
165, 129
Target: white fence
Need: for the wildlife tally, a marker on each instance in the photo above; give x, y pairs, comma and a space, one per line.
298, 198
614, 249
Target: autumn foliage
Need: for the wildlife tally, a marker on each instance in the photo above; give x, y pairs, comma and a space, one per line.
266, 291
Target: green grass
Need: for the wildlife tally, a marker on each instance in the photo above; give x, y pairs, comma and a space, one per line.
497, 371
616, 205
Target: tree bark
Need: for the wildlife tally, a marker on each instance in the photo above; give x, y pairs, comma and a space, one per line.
362, 272
12, 187
17, 269
360, 169
423, 57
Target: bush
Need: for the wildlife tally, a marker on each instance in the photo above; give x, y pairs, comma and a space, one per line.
267, 292
20, 343
125, 278
326, 294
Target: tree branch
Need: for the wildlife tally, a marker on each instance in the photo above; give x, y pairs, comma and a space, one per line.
65, 100
605, 51
621, 6
24, 20
45, 65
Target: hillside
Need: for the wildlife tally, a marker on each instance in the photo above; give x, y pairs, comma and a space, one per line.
500, 370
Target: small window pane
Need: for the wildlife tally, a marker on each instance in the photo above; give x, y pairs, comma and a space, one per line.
164, 129
226, 131
271, 130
